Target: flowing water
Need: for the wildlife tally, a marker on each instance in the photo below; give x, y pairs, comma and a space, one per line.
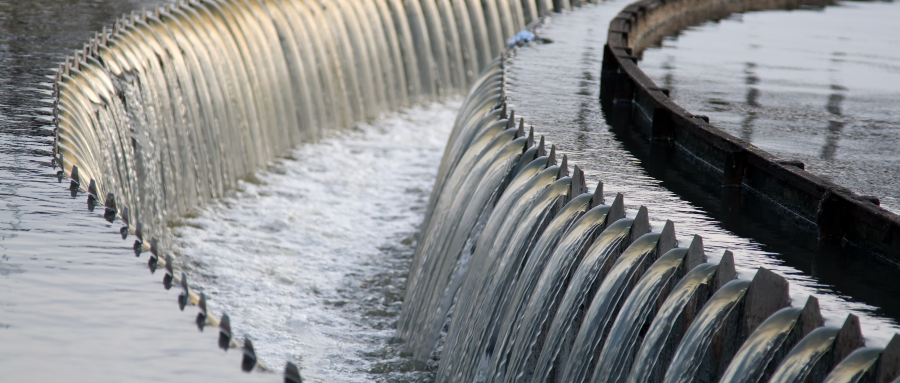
800, 363
538, 297
691, 352
310, 259
542, 335
467, 340
761, 347
637, 314
569, 115
531, 273
173, 110
253, 141
74, 302
579, 344
666, 332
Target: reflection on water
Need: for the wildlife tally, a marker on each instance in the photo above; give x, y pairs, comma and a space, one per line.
752, 101
725, 218
834, 126
75, 305
821, 86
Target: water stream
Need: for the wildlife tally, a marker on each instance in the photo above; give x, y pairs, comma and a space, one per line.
286, 153
571, 118
310, 259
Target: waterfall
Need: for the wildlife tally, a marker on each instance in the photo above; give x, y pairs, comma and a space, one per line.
542, 302
625, 336
520, 273
169, 108
531, 278
580, 344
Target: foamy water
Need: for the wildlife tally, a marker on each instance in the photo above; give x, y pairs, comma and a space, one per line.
310, 258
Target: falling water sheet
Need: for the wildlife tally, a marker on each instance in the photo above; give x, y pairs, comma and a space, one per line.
570, 116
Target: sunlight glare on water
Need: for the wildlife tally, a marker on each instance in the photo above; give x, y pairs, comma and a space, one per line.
309, 260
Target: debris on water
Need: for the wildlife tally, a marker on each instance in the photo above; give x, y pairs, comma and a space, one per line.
525, 36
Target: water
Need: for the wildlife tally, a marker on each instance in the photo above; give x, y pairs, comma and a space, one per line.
570, 116
309, 256
310, 260
666, 332
690, 361
488, 279
74, 302
762, 346
82, 301
589, 336
799, 363
639, 311
550, 292
816, 85
175, 110
546, 273
855, 366
448, 247
530, 275
816, 354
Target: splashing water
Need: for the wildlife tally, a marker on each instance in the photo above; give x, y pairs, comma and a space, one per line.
310, 258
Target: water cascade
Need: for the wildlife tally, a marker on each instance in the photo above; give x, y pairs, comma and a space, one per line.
818, 352
521, 273
624, 338
765, 348
170, 108
547, 271
673, 319
556, 286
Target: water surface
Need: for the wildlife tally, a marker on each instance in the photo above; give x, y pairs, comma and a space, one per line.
818, 85
556, 88
310, 259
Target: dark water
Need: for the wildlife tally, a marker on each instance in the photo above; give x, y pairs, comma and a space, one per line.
555, 87
817, 85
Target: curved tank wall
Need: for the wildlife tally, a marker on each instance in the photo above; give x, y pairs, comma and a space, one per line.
832, 107
532, 277
170, 108
835, 213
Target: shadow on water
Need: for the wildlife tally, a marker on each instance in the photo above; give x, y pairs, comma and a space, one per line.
750, 215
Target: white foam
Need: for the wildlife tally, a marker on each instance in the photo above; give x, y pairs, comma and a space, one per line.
309, 259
